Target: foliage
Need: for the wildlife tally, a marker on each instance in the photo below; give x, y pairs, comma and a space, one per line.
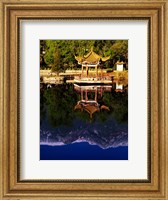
120, 50
60, 54
57, 63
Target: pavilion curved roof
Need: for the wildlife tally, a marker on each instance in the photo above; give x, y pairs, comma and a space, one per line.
91, 57
91, 109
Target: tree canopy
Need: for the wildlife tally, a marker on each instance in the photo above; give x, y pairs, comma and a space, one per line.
60, 54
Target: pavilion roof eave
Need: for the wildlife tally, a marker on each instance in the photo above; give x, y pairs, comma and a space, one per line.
91, 57
105, 58
79, 59
93, 54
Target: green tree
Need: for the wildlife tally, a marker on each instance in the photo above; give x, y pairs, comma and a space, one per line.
57, 64
119, 51
67, 49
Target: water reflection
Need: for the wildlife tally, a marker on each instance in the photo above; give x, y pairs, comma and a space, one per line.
89, 96
72, 114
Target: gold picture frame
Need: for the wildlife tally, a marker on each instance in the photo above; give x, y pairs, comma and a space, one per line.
155, 11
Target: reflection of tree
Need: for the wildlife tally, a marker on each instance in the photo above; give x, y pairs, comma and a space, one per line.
59, 104
84, 116
119, 104
60, 101
42, 106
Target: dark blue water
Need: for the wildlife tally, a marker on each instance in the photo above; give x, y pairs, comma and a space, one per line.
82, 151
67, 133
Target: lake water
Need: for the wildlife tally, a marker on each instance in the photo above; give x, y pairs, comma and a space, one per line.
86, 122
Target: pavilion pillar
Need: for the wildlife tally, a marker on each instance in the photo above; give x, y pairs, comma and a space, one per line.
96, 71
81, 94
82, 70
86, 97
96, 94
86, 70
101, 93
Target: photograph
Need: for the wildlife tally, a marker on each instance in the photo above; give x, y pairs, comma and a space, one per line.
83, 99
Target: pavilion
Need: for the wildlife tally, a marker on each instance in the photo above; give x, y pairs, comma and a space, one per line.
91, 106
90, 60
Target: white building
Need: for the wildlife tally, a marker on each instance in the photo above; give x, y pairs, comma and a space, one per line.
120, 66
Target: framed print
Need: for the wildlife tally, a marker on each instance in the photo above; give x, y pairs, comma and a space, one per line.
84, 100
84, 111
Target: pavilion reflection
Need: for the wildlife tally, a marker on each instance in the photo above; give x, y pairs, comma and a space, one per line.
89, 98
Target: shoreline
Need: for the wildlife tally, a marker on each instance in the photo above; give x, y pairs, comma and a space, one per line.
48, 77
